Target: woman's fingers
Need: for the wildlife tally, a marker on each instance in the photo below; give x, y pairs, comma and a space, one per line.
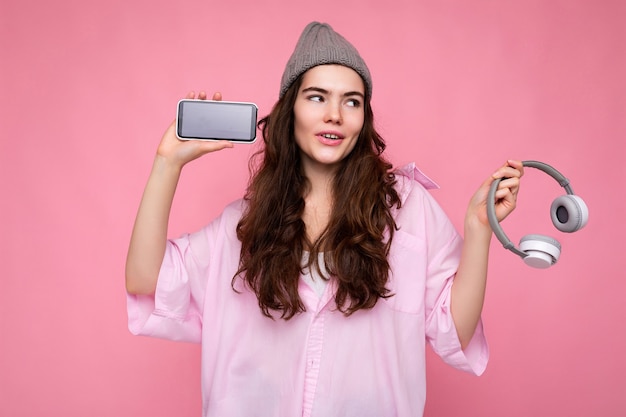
202, 95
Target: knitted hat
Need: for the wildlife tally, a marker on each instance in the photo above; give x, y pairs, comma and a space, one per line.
319, 44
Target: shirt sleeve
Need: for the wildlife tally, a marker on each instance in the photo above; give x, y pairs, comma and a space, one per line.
443, 338
175, 310
443, 247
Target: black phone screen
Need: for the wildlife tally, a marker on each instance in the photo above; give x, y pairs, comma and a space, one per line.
218, 120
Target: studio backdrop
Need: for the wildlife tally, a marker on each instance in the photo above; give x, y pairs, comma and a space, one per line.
459, 87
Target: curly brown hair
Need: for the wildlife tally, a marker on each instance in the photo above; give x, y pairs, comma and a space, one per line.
357, 239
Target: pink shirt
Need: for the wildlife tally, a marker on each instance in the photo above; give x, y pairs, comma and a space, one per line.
320, 363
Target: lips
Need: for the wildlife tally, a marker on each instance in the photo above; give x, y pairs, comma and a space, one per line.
330, 138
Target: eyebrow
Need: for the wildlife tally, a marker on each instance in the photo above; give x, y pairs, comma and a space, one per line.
323, 91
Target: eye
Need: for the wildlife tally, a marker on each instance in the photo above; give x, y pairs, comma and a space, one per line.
316, 98
353, 102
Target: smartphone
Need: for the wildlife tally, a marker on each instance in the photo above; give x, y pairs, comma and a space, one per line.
216, 120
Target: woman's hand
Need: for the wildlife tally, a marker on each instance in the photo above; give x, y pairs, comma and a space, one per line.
179, 152
468, 289
149, 237
505, 198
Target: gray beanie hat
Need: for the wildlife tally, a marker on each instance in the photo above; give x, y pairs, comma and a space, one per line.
319, 44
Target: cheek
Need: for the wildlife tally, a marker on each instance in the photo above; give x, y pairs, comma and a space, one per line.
357, 125
350, 149
298, 130
300, 123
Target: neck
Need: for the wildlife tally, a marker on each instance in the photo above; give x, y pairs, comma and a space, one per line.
318, 202
320, 177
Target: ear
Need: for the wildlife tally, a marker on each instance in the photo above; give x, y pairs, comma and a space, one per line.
569, 213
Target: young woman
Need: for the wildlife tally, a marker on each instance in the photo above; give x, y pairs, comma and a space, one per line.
315, 294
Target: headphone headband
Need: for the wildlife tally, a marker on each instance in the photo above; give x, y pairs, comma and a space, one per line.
551, 171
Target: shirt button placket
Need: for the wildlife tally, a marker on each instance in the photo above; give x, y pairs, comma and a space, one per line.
313, 359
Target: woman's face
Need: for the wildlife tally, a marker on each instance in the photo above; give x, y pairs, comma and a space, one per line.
329, 113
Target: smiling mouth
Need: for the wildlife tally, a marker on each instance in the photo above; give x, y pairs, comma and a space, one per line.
330, 136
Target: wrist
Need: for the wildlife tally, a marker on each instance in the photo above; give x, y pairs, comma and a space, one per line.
475, 229
167, 165
166, 169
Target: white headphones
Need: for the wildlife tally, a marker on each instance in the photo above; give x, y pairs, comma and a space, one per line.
569, 213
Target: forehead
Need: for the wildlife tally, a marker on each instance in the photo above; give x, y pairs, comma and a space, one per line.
333, 78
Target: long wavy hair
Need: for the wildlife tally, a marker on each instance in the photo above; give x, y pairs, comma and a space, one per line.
357, 239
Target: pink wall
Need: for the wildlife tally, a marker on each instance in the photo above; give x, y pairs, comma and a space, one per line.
88, 87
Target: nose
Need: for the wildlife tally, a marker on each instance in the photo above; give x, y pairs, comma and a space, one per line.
333, 113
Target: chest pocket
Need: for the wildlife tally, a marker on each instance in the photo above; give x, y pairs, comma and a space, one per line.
407, 280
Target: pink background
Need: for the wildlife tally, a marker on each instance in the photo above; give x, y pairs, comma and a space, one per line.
87, 88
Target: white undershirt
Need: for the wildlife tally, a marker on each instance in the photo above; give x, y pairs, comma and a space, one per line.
312, 277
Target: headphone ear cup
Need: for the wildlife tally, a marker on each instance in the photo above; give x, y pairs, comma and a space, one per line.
569, 213
541, 251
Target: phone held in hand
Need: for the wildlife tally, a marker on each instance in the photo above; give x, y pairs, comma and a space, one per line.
216, 120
